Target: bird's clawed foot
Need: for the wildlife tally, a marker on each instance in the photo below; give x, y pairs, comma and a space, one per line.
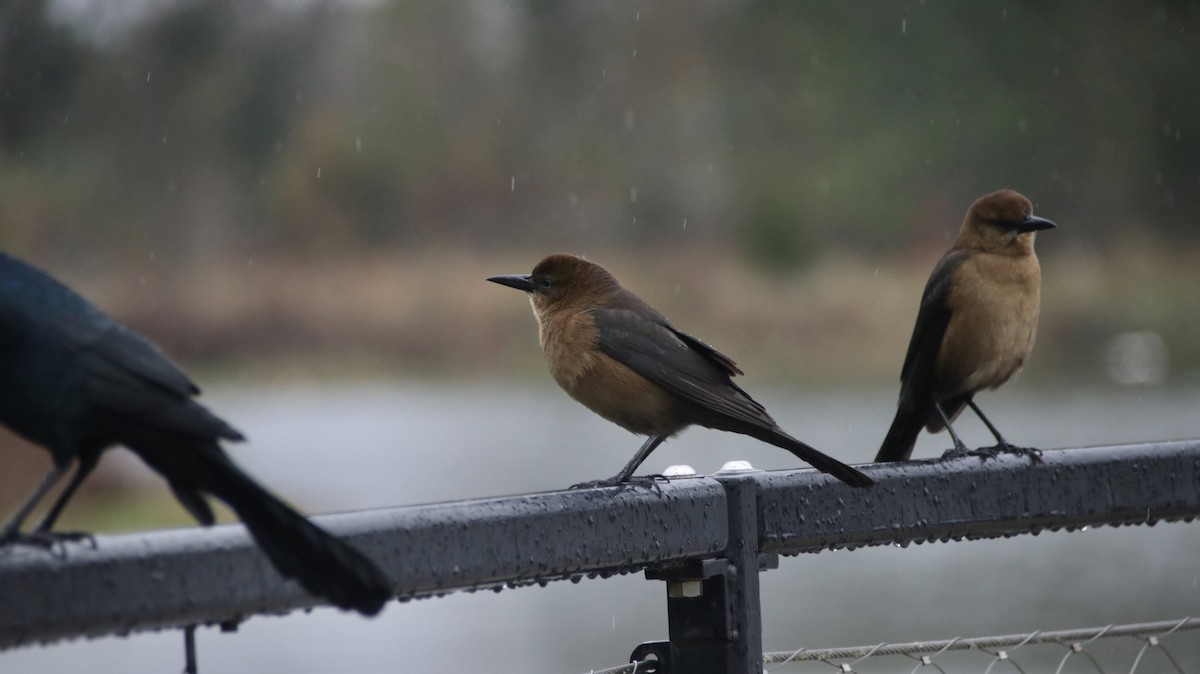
1005, 447
644, 481
596, 484
985, 453
960, 450
54, 541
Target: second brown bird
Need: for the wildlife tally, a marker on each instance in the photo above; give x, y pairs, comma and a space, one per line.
624, 360
976, 325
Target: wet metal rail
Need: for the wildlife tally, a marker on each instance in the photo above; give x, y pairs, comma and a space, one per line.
216, 575
706, 536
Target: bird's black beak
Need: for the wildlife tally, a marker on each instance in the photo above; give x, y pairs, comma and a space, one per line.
1033, 223
522, 282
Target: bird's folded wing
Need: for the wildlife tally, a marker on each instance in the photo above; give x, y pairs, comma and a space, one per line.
131, 377
677, 362
920, 362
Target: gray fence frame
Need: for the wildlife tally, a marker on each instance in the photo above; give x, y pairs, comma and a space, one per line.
707, 536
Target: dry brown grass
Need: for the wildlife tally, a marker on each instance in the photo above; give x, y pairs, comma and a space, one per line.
429, 312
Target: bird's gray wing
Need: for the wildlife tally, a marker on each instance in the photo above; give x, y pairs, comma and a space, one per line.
917, 373
676, 361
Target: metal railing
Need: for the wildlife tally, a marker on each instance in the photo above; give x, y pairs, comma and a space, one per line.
706, 536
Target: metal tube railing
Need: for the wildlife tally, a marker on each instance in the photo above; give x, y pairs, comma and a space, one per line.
205, 576
216, 575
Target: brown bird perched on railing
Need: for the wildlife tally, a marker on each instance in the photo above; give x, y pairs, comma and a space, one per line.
624, 360
976, 325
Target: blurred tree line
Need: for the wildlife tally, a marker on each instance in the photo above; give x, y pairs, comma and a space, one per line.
195, 128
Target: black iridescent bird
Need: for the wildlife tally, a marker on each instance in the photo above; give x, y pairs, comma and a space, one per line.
77, 382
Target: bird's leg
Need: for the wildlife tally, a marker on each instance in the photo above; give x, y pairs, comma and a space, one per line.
640, 457
626, 474
41, 536
11, 531
86, 463
85, 468
1000, 441
960, 449
1002, 445
959, 445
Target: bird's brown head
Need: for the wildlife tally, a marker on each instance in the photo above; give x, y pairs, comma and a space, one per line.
1001, 222
563, 283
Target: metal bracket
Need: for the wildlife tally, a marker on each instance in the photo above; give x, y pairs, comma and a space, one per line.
713, 607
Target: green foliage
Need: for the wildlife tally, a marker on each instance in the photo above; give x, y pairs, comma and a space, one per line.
39, 66
776, 238
781, 128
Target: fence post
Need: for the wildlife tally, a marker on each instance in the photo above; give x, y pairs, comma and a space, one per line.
713, 608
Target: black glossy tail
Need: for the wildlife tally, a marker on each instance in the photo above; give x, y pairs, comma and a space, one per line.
814, 457
902, 436
324, 565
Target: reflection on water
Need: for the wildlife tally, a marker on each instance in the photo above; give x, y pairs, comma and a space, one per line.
352, 447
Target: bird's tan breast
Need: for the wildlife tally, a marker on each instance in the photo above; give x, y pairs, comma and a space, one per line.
600, 383
994, 303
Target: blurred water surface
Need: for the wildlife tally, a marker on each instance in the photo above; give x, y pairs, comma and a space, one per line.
355, 446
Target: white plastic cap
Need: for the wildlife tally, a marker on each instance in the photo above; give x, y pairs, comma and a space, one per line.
736, 467
682, 470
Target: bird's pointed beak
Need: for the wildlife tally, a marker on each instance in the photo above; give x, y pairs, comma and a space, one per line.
518, 281
1033, 223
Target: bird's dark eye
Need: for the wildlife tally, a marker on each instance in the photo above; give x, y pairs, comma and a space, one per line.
545, 282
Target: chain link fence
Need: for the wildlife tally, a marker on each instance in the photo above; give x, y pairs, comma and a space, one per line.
1136, 648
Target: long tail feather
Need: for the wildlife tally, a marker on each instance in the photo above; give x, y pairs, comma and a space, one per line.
902, 436
816, 458
322, 564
